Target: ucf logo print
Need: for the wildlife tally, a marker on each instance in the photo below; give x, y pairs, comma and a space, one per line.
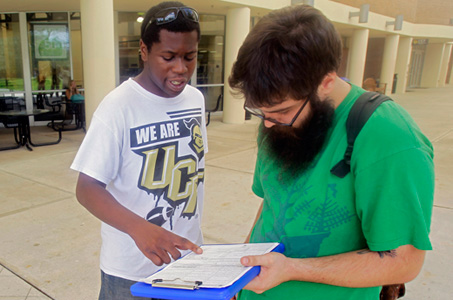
170, 171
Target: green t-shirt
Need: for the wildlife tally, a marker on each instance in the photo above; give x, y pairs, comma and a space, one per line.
383, 203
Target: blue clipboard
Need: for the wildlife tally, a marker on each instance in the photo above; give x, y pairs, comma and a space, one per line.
142, 289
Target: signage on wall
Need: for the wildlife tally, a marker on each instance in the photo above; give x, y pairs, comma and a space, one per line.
420, 41
50, 41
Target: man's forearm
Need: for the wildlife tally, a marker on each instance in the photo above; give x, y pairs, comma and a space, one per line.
360, 268
93, 196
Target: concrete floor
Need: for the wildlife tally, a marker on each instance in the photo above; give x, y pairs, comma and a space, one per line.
49, 244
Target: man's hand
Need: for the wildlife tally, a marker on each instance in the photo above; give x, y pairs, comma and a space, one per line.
274, 270
155, 242
158, 244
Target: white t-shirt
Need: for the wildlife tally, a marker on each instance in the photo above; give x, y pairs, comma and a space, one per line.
149, 151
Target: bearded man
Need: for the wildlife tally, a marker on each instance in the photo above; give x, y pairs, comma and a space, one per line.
345, 237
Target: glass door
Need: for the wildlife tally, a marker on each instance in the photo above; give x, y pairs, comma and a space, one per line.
50, 55
209, 73
11, 68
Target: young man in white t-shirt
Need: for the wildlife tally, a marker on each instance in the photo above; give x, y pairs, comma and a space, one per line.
142, 161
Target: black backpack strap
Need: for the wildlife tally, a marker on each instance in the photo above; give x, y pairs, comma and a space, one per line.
360, 112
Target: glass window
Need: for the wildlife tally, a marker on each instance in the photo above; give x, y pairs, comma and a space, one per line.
11, 72
49, 50
211, 59
210, 50
129, 24
76, 51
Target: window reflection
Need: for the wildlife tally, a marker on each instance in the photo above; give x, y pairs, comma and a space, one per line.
49, 50
210, 59
11, 72
129, 37
76, 50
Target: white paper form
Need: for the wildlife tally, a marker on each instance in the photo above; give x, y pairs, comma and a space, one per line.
219, 265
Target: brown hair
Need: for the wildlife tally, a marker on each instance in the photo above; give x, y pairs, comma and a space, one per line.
287, 53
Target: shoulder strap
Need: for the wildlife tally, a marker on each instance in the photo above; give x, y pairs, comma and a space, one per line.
360, 112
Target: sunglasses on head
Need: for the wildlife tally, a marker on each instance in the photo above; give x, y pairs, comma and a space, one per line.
168, 15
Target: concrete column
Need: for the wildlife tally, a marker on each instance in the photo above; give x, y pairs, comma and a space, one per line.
444, 66
98, 50
357, 56
450, 68
237, 28
403, 60
389, 61
432, 64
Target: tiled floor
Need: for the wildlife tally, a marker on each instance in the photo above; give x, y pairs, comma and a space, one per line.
15, 190
12, 287
52, 242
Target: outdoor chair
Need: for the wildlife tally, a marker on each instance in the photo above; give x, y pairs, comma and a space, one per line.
216, 108
8, 103
371, 85
56, 112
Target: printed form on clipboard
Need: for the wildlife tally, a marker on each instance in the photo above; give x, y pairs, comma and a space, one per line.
219, 266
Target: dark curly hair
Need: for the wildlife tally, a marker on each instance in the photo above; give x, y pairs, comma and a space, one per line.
287, 54
150, 33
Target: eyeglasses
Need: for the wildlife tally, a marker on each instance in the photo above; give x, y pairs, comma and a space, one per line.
168, 15
259, 113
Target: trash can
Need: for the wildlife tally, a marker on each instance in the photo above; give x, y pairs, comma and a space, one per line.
395, 80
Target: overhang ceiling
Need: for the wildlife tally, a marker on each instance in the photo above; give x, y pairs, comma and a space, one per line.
203, 6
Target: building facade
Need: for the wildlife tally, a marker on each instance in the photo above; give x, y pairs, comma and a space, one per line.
402, 44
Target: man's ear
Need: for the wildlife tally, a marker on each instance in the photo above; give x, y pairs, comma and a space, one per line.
327, 85
143, 51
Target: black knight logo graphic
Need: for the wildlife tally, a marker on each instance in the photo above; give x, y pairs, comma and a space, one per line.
197, 138
165, 173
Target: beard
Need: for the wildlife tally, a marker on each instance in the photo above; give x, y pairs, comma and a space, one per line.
295, 148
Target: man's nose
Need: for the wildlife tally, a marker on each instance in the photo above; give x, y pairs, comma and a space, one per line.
179, 66
268, 124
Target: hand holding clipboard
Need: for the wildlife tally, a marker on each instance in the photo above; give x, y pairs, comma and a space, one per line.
270, 274
216, 274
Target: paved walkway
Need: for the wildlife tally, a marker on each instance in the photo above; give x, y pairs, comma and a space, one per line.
49, 244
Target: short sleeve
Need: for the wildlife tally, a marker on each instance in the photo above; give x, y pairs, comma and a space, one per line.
395, 198
99, 155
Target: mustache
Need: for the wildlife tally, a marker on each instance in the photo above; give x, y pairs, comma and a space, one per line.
295, 148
